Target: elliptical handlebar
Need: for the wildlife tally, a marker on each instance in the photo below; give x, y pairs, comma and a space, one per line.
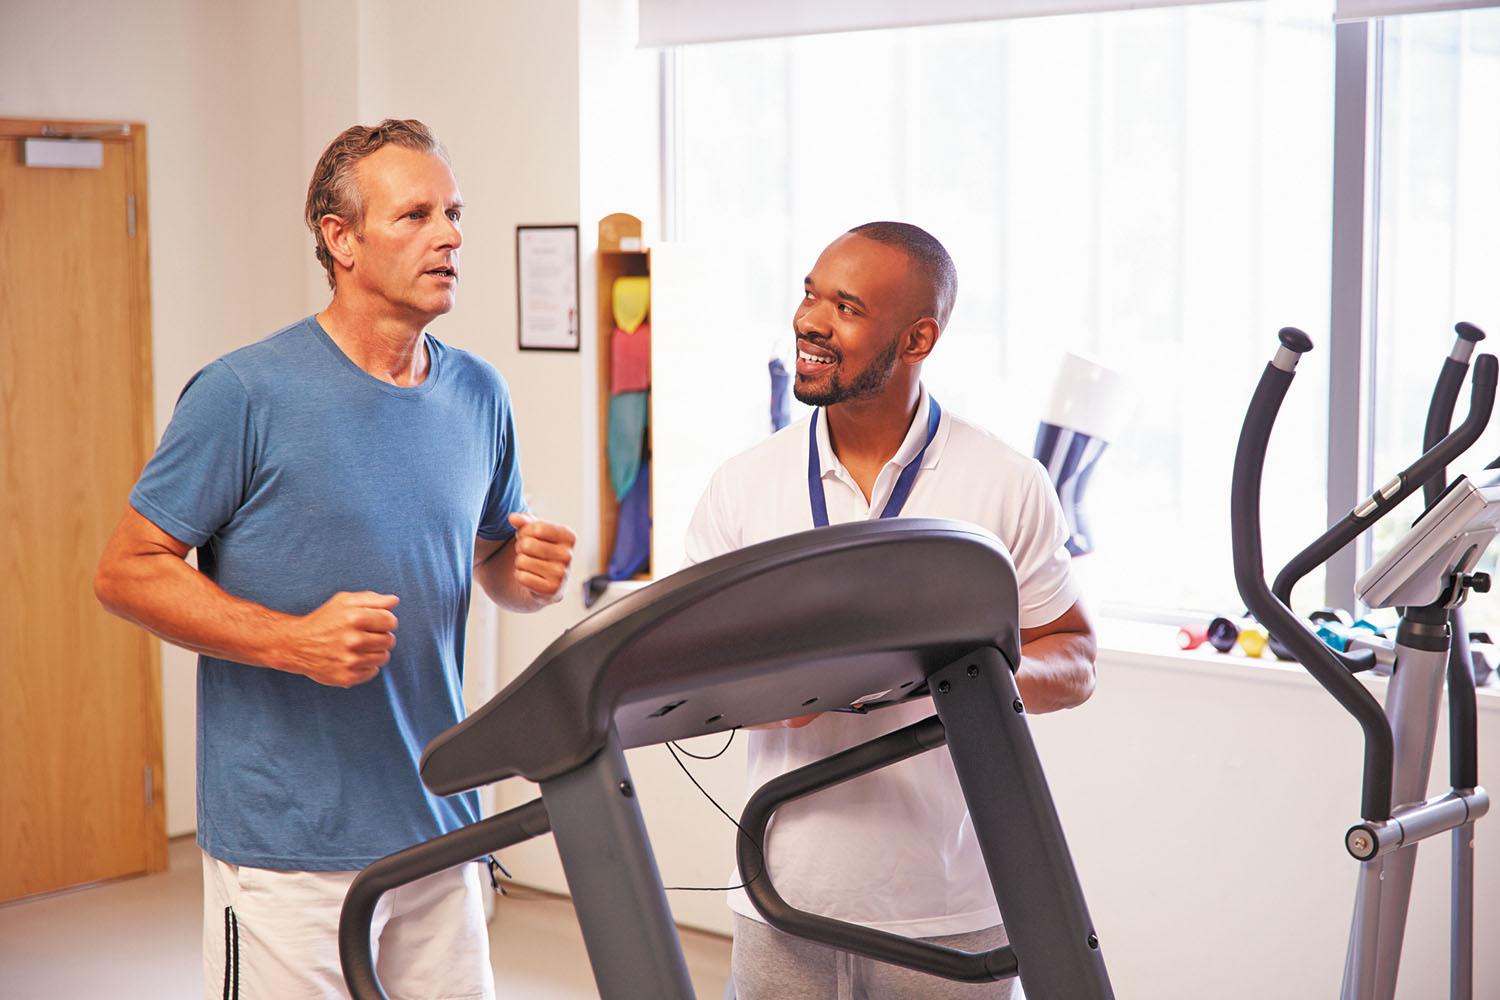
1249, 576
1405, 725
1445, 397
1380, 503
1463, 743
1331, 669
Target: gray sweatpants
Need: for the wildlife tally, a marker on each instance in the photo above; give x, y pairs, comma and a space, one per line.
770, 965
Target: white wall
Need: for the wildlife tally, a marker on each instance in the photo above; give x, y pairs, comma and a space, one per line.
505, 104
217, 87
1205, 800
239, 101
616, 122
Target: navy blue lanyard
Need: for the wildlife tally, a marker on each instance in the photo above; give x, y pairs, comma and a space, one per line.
899, 492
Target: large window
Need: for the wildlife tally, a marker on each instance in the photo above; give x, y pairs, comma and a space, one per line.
1438, 225
1149, 188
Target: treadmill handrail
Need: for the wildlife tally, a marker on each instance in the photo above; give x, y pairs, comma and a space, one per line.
1249, 574
924, 956
468, 843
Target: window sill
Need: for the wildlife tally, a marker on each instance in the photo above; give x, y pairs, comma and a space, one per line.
1154, 647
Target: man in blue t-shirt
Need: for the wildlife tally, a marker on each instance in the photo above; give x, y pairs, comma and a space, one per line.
346, 475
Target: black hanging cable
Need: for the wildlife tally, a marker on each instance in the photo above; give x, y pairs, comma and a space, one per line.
712, 756
673, 748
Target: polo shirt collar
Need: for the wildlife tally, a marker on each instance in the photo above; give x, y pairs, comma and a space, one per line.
916, 436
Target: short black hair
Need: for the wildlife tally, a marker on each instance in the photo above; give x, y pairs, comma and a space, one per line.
929, 256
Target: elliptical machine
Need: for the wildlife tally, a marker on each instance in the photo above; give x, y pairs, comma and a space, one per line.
1428, 576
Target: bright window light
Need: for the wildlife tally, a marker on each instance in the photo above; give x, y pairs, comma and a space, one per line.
1149, 188
1438, 258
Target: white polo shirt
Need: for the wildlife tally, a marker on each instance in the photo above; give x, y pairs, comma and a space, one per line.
894, 849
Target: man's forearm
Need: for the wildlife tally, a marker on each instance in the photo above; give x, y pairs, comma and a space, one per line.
172, 600
1057, 671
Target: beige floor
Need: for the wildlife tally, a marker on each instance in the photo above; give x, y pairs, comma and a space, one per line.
138, 939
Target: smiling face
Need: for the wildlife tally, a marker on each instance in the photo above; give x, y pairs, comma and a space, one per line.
405, 254
857, 308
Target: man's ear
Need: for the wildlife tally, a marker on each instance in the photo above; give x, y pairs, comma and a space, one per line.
921, 338
340, 238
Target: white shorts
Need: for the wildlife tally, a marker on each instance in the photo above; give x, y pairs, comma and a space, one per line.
273, 935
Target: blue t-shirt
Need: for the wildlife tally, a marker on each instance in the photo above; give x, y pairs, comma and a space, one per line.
298, 475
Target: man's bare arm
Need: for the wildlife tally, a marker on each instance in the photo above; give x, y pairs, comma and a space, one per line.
144, 578
529, 570
1057, 662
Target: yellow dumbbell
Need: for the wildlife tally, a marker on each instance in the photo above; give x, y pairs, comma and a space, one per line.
1253, 639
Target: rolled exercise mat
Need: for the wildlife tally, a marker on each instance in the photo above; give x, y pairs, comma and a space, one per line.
1085, 413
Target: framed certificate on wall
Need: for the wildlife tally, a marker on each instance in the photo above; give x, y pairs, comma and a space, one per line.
547, 287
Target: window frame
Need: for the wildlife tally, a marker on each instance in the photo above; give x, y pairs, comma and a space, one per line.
1356, 226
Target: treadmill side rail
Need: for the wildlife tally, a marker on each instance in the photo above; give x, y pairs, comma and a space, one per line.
613, 879
1019, 833
1053, 947
466, 844
883, 946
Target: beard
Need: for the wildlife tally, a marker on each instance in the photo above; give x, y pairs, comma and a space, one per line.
869, 382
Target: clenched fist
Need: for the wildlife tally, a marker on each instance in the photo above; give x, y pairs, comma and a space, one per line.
544, 551
344, 642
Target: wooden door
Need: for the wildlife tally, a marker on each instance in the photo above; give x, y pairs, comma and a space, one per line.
80, 691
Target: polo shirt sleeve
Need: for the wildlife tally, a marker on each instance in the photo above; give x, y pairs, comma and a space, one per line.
1043, 566
504, 496
713, 530
202, 468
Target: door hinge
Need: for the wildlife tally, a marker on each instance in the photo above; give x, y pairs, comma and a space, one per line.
130, 215
150, 786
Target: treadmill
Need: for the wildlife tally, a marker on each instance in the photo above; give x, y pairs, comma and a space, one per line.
853, 617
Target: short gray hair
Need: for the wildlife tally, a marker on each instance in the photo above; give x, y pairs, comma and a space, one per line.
334, 189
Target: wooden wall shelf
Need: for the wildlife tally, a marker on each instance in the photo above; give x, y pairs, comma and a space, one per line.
621, 254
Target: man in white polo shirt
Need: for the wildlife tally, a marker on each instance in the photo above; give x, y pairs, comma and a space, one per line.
895, 849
